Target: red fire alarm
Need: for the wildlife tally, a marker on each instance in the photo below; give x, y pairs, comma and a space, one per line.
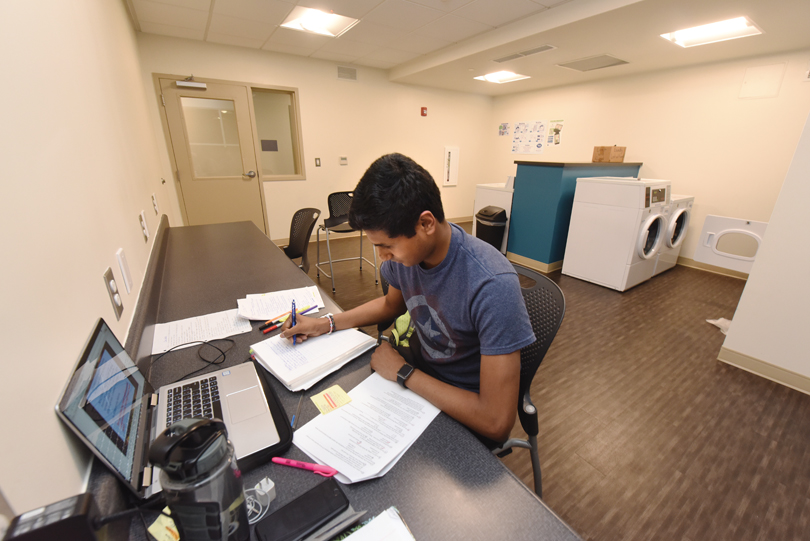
424, 111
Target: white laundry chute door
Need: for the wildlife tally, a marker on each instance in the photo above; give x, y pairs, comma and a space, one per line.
730, 243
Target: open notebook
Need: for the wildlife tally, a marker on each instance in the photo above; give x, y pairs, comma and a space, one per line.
109, 404
301, 366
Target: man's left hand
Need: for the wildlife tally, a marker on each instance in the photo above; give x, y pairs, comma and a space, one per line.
386, 361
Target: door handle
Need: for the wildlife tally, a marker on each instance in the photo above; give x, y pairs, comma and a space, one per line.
249, 174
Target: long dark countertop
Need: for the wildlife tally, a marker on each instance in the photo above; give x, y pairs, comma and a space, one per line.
447, 485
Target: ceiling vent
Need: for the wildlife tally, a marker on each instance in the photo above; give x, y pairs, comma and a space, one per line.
347, 74
593, 63
529, 52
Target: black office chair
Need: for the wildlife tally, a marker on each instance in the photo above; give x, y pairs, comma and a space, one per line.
546, 306
338, 222
303, 222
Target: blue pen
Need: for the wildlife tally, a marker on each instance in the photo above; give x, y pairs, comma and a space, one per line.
292, 315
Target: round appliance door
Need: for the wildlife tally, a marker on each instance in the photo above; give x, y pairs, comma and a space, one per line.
678, 224
650, 237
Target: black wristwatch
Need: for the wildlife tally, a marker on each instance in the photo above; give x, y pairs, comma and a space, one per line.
403, 374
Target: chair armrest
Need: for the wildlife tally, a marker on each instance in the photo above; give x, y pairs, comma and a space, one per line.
527, 413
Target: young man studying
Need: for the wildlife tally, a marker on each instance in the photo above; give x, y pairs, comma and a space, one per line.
463, 297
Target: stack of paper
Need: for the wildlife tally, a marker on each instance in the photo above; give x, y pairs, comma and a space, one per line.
265, 306
194, 330
301, 366
365, 438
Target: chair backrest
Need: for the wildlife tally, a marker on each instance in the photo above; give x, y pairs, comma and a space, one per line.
303, 222
339, 203
546, 306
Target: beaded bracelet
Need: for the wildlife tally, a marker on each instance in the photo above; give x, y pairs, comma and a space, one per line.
331, 323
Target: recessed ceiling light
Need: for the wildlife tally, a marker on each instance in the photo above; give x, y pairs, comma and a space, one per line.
318, 22
502, 77
714, 32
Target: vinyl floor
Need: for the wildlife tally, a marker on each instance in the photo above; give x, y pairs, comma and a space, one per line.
643, 433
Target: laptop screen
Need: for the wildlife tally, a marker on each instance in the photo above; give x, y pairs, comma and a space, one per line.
104, 403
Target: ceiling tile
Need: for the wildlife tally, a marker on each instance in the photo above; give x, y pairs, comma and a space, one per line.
550, 3
347, 8
289, 49
375, 34
335, 57
175, 31
371, 63
390, 55
297, 38
415, 43
496, 13
241, 41
203, 5
347, 47
233, 26
267, 11
453, 28
154, 12
447, 5
402, 15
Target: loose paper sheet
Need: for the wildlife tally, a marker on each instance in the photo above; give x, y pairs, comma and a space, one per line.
198, 329
365, 438
264, 306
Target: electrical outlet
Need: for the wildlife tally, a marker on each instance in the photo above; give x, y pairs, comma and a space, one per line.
344, 160
115, 295
154, 204
317, 162
144, 228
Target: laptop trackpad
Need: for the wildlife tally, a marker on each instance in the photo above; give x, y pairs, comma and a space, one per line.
246, 404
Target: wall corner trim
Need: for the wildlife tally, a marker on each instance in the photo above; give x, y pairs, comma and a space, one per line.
764, 369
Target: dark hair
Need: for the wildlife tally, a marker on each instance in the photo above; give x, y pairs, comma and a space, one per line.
392, 194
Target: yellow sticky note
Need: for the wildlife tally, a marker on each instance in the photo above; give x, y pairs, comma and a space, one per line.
163, 529
331, 399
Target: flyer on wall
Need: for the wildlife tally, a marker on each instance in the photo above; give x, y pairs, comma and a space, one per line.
529, 137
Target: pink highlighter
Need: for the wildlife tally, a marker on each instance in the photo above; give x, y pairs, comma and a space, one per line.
326, 471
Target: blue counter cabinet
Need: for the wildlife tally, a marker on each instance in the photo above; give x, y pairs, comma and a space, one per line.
541, 208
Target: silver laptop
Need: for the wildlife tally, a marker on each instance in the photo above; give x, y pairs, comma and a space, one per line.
112, 408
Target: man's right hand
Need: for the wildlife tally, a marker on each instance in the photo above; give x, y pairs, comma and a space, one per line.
305, 327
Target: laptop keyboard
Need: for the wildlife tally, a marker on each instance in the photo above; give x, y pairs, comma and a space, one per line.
198, 399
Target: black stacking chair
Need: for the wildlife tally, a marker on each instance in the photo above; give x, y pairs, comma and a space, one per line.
303, 222
338, 222
546, 306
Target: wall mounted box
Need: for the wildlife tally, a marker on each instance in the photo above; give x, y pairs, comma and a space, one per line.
541, 208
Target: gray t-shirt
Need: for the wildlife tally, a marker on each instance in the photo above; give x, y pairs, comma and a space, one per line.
467, 306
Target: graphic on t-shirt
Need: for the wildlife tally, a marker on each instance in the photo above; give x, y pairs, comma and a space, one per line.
432, 329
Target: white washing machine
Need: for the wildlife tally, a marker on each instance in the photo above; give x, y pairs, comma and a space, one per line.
617, 227
678, 214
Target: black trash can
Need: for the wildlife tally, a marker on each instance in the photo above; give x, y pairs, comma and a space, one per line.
490, 225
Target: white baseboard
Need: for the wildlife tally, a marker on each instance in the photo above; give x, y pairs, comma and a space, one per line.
766, 370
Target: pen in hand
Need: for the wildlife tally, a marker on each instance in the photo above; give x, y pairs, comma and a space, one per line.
292, 316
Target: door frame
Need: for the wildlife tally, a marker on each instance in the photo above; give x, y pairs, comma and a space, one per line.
295, 124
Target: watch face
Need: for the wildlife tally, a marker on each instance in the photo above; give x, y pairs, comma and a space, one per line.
404, 373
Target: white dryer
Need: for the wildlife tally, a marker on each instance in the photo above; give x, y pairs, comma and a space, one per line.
617, 227
677, 218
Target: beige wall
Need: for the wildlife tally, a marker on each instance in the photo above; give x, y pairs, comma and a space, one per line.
361, 120
687, 126
79, 162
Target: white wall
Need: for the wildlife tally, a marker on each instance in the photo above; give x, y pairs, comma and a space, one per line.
361, 120
79, 162
770, 323
687, 126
